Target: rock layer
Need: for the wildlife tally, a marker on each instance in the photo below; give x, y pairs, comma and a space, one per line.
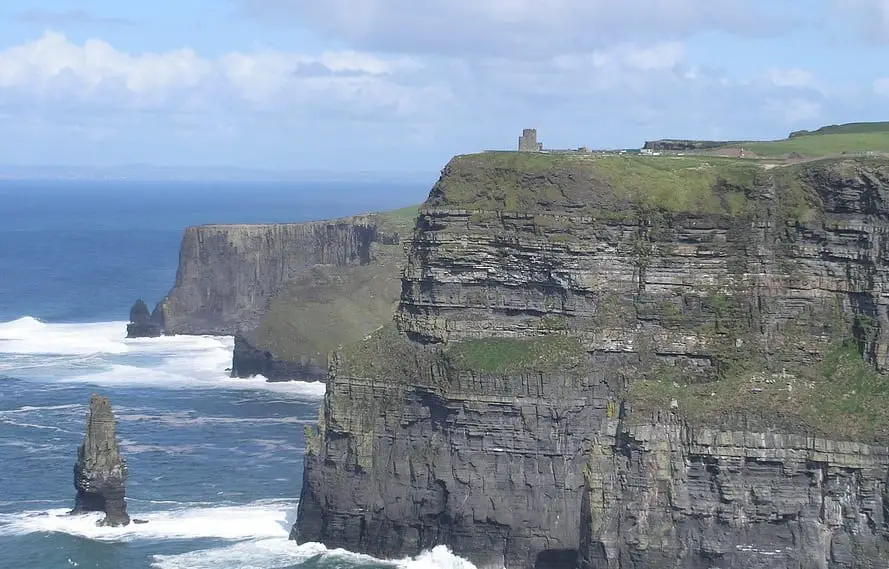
665, 494
100, 472
539, 292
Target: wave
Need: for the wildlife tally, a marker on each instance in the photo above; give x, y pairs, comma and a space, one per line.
30, 336
259, 520
279, 553
101, 354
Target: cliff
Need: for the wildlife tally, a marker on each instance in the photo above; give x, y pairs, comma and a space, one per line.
288, 292
621, 362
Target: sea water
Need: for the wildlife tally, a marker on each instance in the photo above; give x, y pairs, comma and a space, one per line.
215, 463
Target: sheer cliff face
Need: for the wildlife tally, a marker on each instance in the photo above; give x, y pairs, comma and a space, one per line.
228, 273
289, 293
668, 495
550, 302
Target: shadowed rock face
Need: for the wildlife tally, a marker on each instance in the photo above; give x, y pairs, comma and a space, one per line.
144, 324
543, 314
249, 361
100, 472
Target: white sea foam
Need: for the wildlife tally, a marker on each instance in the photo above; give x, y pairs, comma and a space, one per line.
30, 336
276, 553
259, 520
100, 354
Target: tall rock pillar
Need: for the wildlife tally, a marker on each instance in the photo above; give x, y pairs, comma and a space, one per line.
100, 472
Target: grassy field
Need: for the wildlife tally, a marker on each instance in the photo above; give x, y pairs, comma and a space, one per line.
848, 128
827, 141
514, 181
815, 145
405, 216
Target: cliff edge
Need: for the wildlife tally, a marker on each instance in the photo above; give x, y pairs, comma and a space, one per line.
622, 362
290, 292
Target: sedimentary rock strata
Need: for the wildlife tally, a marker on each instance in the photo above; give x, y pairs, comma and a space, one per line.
100, 472
551, 305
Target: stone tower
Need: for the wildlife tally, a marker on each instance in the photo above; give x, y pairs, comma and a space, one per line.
528, 141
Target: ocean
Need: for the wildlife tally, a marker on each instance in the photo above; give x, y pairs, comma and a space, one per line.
215, 463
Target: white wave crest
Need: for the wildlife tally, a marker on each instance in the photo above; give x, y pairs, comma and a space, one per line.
258, 520
100, 354
30, 336
276, 553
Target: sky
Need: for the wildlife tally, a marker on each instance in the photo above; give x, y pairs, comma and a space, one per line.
390, 85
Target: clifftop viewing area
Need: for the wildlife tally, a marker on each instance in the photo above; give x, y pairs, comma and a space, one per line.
846, 140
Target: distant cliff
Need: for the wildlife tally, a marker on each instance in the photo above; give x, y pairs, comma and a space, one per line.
622, 363
288, 292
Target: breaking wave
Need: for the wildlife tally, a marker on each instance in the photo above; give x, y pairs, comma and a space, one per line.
278, 553
263, 519
100, 354
258, 532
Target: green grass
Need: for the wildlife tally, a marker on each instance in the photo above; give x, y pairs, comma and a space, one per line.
817, 145
327, 307
593, 184
513, 355
848, 128
403, 214
841, 398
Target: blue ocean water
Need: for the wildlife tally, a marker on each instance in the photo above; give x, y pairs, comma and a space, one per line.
215, 463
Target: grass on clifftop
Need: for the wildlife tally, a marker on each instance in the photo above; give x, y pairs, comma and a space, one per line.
840, 398
512, 355
817, 145
401, 218
595, 184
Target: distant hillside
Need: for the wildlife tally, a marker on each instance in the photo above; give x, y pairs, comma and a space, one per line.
851, 138
831, 140
848, 128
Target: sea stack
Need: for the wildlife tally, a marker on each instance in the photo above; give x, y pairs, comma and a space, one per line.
100, 472
144, 324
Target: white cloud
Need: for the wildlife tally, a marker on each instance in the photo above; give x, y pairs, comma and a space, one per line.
869, 19
523, 28
52, 68
251, 105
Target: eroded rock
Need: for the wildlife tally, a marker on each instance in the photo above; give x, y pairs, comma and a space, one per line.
100, 472
144, 324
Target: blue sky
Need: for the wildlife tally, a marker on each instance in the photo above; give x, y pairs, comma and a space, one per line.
403, 85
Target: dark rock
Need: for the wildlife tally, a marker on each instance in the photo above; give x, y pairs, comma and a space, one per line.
100, 472
248, 361
228, 273
443, 430
138, 521
145, 324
